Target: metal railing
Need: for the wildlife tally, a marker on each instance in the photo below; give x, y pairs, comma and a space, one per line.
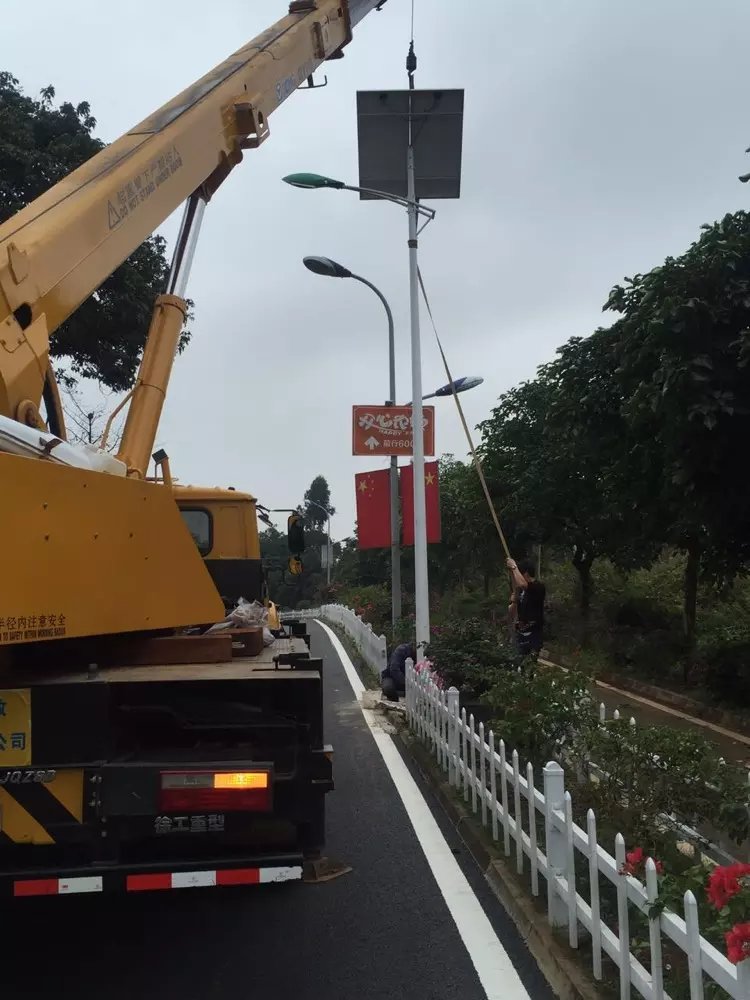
537, 827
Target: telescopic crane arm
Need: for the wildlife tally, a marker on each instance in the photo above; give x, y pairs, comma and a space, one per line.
58, 250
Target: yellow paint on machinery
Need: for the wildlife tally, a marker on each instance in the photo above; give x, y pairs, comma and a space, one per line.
96, 555
57, 250
150, 389
234, 522
30, 811
87, 553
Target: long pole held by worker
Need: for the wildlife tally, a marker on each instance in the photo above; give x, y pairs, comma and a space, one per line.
475, 456
421, 580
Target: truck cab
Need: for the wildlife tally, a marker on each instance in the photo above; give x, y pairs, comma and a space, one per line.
224, 526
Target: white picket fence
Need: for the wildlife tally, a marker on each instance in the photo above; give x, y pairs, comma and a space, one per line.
373, 648
509, 803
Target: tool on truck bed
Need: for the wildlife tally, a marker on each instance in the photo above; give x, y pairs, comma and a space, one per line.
137, 752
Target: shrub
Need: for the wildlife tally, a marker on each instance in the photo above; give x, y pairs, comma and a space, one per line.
536, 712
404, 630
724, 650
372, 604
646, 773
470, 654
727, 673
723, 897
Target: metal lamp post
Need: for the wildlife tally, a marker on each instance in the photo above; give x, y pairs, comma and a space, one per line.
329, 268
414, 210
409, 148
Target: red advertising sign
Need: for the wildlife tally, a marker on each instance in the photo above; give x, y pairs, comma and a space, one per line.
387, 430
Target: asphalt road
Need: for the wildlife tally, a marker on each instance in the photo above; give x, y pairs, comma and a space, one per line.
381, 931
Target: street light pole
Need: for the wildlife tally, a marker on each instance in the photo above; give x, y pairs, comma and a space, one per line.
395, 526
329, 268
421, 581
415, 210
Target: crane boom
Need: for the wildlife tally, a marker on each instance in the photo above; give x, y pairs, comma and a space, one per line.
60, 248
108, 555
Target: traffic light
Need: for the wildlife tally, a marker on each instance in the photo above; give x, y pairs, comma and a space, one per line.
295, 533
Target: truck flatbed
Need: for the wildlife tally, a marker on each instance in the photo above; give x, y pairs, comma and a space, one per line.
238, 668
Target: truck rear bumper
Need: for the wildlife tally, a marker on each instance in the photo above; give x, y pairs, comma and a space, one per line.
158, 876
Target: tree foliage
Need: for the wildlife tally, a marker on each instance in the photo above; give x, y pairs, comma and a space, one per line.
627, 446
317, 496
683, 352
629, 441
40, 144
310, 587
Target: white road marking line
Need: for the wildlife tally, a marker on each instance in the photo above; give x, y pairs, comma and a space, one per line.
496, 972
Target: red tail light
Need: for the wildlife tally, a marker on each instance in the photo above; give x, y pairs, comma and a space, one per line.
215, 791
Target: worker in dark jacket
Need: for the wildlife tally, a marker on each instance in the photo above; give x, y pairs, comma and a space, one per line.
528, 599
393, 679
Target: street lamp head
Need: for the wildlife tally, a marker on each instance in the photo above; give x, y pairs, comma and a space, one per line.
459, 385
310, 181
327, 267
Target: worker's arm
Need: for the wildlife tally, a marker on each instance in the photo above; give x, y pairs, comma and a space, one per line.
518, 578
59, 249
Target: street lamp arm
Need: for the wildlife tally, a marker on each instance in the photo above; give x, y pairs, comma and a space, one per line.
391, 338
429, 213
320, 507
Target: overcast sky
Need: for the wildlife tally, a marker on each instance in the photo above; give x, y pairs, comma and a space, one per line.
598, 136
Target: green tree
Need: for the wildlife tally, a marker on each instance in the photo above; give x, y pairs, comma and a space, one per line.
41, 143
682, 373
559, 448
310, 587
316, 496
470, 552
362, 567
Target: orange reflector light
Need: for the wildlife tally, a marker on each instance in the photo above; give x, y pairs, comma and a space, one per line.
242, 779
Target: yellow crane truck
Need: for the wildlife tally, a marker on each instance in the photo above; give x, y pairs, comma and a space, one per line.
138, 749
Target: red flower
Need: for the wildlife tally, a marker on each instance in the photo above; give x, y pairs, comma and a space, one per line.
726, 881
635, 863
738, 942
634, 858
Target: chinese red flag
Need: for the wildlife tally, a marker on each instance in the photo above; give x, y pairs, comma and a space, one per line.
432, 502
373, 509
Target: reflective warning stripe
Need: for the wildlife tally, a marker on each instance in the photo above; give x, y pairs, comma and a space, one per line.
156, 880
57, 886
30, 811
67, 788
227, 876
18, 824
